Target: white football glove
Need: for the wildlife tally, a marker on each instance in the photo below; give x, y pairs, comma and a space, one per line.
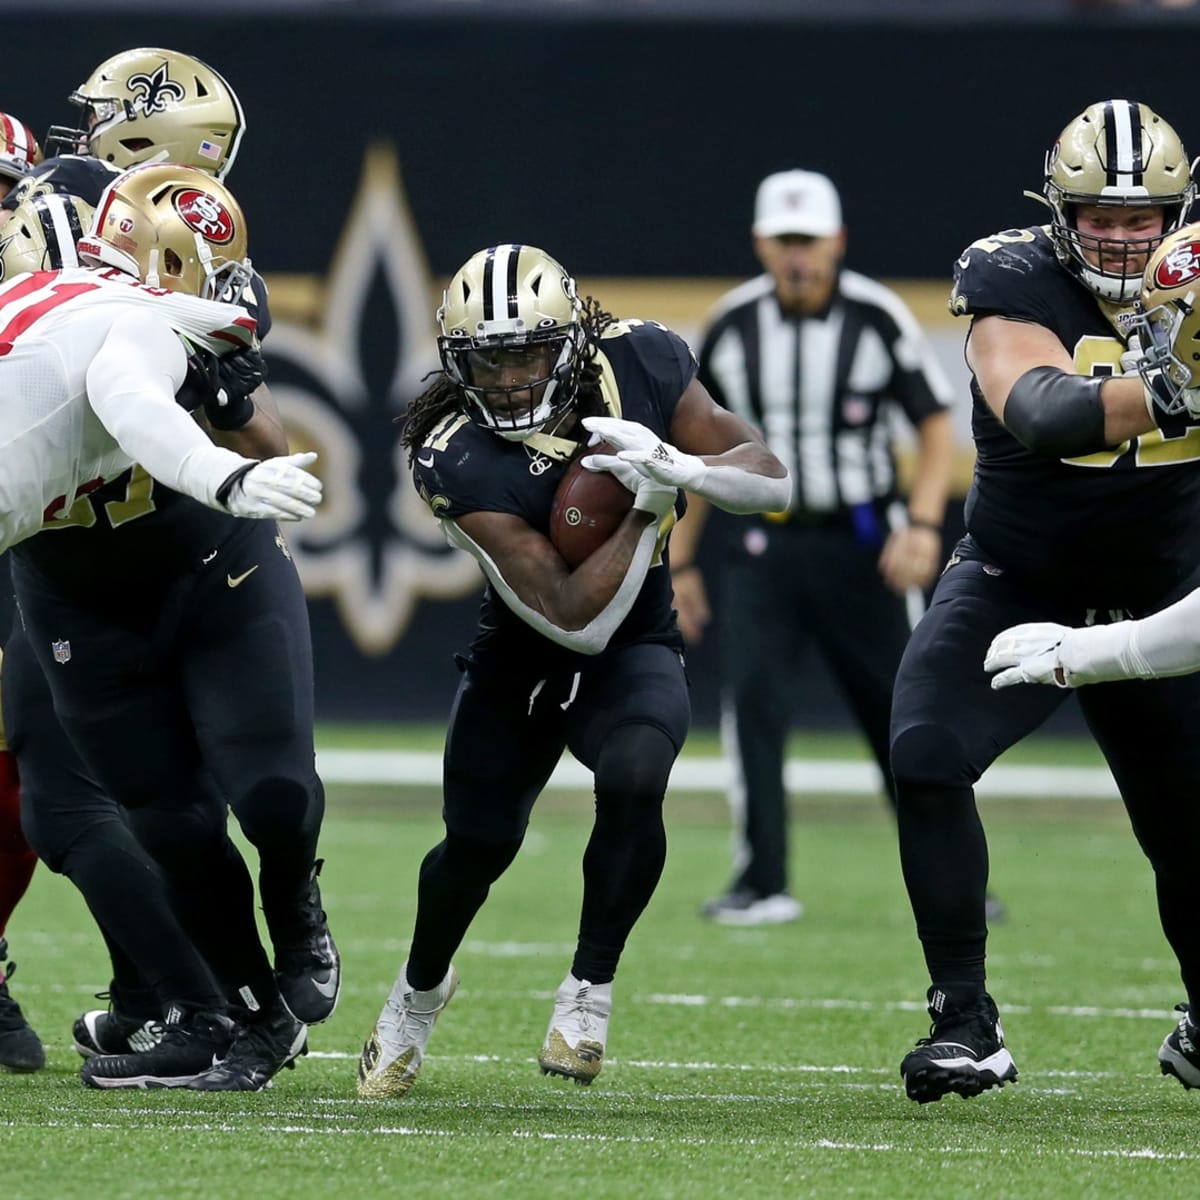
649, 453
1027, 654
649, 495
1133, 353
277, 489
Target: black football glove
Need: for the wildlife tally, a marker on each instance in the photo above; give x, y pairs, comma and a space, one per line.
223, 386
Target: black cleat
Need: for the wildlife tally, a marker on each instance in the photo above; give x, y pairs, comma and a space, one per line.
21, 1049
106, 1031
308, 968
190, 1044
963, 1053
262, 1048
1179, 1055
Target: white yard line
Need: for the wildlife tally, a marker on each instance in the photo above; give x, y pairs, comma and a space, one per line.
815, 776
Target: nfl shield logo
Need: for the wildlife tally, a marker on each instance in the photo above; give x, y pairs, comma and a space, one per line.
62, 651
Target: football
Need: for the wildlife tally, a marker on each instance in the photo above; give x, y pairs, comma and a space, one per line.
588, 507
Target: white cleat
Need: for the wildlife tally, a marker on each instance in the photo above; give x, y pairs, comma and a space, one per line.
393, 1053
578, 1029
747, 908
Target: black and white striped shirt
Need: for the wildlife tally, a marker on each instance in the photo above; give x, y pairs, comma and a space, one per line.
820, 387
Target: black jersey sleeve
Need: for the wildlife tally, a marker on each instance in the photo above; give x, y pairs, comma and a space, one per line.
463, 468
995, 277
654, 366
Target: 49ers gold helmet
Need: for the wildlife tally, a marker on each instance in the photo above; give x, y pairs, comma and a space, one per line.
151, 105
505, 301
1168, 325
172, 227
1116, 153
42, 233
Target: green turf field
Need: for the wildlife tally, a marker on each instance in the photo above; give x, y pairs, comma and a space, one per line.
741, 1063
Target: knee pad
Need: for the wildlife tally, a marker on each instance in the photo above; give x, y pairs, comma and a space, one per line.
930, 754
634, 766
281, 809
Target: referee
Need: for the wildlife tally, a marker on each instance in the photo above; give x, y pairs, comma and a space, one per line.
817, 357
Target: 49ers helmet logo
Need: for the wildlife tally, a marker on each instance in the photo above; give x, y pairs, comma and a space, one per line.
1179, 266
204, 214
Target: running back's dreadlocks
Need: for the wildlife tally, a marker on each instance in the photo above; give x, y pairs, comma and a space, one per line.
444, 396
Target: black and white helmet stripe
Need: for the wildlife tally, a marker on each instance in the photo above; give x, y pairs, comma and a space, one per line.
500, 283
59, 219
1123, 144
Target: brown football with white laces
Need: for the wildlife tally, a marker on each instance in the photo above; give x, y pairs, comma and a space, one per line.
588, 508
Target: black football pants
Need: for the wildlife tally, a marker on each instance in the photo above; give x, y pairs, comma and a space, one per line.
949, 725
625, 717
196, 697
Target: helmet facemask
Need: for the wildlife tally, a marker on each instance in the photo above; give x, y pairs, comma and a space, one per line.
1168, 322
508, 307
1116, 154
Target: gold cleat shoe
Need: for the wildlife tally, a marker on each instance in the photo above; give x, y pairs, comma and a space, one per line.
394, 1051
574, 1045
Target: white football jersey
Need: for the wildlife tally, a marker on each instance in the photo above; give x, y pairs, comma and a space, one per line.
90, 361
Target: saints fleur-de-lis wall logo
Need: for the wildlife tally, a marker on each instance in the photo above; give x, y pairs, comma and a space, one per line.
340, 382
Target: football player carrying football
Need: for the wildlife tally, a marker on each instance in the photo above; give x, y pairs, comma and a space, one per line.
588, 659
1084, 510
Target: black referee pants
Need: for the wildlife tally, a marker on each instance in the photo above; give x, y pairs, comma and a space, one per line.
787, 588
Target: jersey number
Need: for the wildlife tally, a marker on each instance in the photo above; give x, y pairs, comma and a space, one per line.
83, 514
60, 293
1102, 356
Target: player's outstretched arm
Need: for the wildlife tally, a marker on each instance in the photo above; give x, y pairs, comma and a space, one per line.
1165, 643
131, 385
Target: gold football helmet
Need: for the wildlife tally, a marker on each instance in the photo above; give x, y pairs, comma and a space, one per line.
19, 150
1168, 324
41, 234
503, 305
172, 227
1122, 154
151, 105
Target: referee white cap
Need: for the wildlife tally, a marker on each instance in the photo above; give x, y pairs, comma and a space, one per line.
800, 202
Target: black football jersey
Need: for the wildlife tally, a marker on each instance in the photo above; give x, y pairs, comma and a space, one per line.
1114, 530
79, 175
463, 468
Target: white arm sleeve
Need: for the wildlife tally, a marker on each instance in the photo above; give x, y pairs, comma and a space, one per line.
131, 386
1167, 643
739, 491
595, 635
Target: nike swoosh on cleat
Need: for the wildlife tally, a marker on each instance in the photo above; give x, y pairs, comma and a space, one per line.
328, 989
238, 580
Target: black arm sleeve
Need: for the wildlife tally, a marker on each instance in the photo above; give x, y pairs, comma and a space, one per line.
1054, 412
